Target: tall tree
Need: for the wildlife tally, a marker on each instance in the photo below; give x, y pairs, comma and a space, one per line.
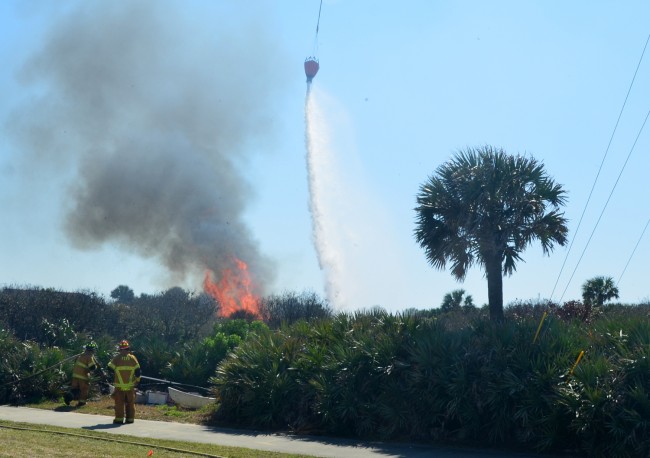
598, 290
485, 207
123, 294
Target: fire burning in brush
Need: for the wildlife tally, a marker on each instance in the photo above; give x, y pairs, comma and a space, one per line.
233, 290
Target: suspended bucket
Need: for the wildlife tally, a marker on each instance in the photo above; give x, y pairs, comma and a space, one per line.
311, 68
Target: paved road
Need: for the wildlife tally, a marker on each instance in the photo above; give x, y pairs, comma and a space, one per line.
314, 446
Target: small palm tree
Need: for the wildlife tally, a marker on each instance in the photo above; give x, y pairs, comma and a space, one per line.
485, 207
598, 290
454, 300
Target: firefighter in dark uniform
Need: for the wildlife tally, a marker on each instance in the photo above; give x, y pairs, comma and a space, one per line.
83, 366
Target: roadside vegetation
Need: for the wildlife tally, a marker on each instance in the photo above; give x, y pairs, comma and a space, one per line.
431, 376
454, 377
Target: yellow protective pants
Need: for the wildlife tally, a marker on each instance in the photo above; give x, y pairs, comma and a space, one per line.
83, 386
124, 400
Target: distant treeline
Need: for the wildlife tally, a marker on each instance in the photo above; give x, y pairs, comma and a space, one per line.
36, 314
174, 315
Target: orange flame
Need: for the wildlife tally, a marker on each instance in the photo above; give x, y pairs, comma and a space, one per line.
233, 291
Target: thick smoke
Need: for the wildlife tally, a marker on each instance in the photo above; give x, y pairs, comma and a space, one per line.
151, 117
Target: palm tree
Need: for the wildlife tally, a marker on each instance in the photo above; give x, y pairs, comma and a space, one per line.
454, 300
485, 207
598, 290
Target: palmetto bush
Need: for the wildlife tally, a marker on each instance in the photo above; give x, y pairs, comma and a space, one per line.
608, 397
377, 375
486, 383
30, 372
256, 385
362, 371
195, 361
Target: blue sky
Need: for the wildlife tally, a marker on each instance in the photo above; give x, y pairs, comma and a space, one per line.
403, 86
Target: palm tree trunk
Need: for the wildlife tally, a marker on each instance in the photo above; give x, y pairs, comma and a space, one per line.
494, 274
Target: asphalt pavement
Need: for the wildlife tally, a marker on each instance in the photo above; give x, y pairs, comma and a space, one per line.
306, 445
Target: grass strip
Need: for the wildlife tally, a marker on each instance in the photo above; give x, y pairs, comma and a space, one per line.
26, 439
110, 439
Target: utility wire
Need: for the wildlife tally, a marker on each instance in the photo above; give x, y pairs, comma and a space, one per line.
167, 382
635, 247
40, 372
611, 138
318, 21
607, 202
317, 27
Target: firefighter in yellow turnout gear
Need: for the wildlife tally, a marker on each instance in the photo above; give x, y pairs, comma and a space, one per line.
80, 385
126, 375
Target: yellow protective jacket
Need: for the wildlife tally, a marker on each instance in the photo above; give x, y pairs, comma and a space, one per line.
83, 365
126, 371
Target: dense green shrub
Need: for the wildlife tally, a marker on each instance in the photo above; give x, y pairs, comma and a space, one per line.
376, 375
191, 361
255, 386
30, 372
608, 397
196, 361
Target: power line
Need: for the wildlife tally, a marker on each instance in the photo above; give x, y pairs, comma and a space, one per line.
635, 247
606, 203
611, 138
20, 380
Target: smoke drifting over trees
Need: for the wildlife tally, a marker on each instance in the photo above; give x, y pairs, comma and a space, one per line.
148, 119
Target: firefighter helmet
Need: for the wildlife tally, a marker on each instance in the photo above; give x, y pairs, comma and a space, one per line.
124, 345
92, 346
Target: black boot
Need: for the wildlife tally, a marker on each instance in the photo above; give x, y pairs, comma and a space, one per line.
67, 398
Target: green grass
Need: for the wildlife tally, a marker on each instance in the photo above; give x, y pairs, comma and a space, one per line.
104, 406
52, 441
28, 443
